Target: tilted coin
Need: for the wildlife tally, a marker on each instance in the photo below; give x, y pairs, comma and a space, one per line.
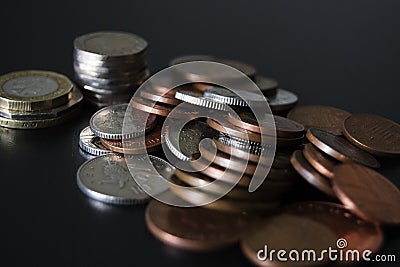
286, 232
373, 133
322, 162
75, 100
329, 119
107, 122
34, 90
151, 107
196, 98
268, 86
226, 96
367, 193
152, 143
91, 143
359, 234
301, 165
282, 101
152, 95
193, 228
107, 179
340, 148
103, 45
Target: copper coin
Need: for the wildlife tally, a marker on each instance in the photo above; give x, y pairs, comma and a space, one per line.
301, 165
327, 118
134, 145
367, 193
193, 228
153, 96
195, 196
359, 234
323, 163
286, 232
232, 130
339, 148
373, 133
152, 107
268, 86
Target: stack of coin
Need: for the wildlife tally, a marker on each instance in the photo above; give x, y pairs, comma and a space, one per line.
110, 66
105, 132
36, 99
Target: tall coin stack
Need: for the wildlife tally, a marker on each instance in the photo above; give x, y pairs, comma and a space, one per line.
36, 99
110, 66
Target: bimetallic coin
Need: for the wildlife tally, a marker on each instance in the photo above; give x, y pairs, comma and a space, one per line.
282, 101
107, 122
322, 162
34, 90
375, 134
225, 96
91, 144
326, 118
193, 228
76, 99
107, 179
198, 99
340, 148
367, 193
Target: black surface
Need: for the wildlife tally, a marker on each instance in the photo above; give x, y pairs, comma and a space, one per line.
340, 53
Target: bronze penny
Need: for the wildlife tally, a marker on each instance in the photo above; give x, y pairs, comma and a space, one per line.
323, 163
195, 196
286, 232
327, 118
359, 234
268, 86
367, 193
339, 148
134, 145
152, 106
193, 228
153, 96
375, 134
232, 130
301, 165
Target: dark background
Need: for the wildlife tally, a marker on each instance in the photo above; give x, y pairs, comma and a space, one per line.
340, 53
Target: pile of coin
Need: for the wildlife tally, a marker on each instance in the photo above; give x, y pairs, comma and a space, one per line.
109, 66
36, 99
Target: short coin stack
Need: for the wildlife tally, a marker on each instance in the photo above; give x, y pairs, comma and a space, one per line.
109, 66
36, 99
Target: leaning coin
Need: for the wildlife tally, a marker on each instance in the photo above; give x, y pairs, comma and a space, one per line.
107, 179
108, 122
373, 133
367, 193
327, 118
193, 228
91, 144
34, 90
339, 148
322, 162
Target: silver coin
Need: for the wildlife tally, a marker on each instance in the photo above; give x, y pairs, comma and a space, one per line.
102, 45
108, 178
242, 144
228, 97
198, 99
105, 92
107, 122
282, 100
86, 155
30, 86
110, 63
91, 144
112, 81
109, 73
45, 113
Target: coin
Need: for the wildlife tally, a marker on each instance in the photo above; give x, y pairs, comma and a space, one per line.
228, 97
237, 149
103, 45
367, 193
268, 86
90, 143
196, 98
151, 106
107, 122
327, 118
152, 143
75, 100
322, 162
282, 101
34, 90
185, 144
107, 179
359, 234
193, 228
249, 70
339, 148
286, 232
373, 133
301, 165
153, 96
